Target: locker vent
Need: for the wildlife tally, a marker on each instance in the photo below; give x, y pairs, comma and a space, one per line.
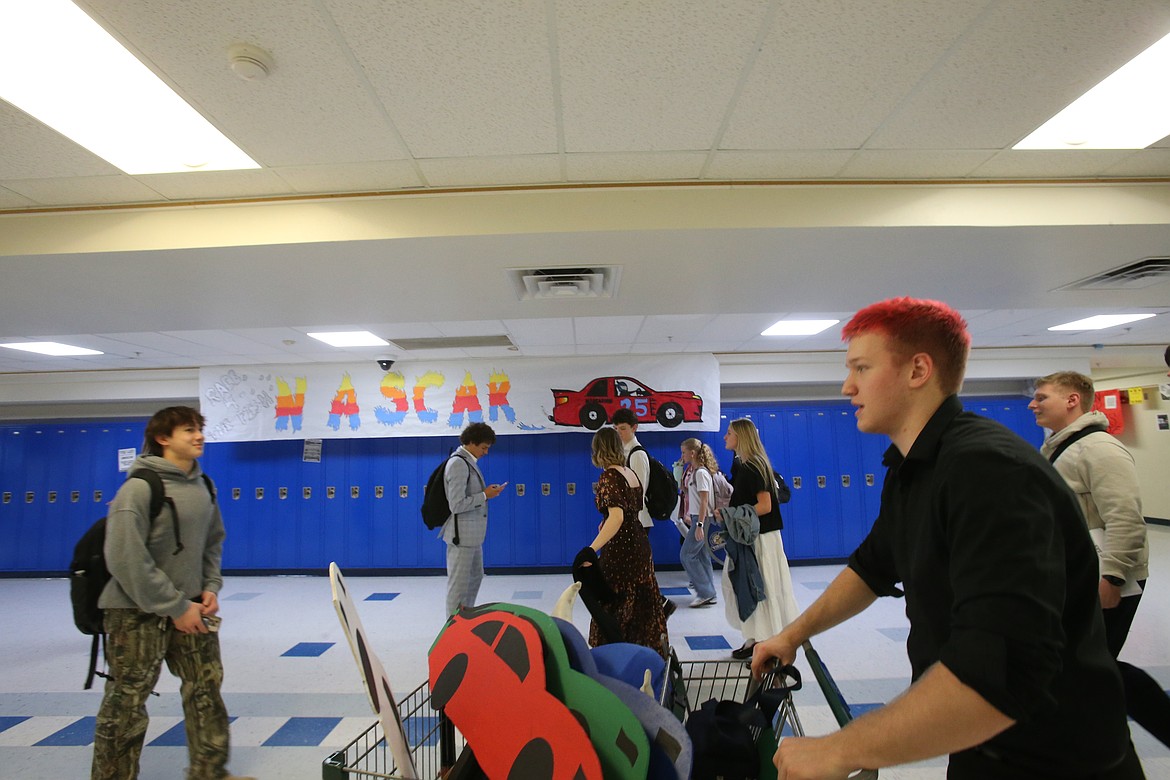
453, 342
1144, 273
561, 283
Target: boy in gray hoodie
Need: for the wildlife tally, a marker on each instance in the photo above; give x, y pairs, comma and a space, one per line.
160, 603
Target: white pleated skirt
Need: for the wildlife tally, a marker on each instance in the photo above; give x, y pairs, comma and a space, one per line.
779, 608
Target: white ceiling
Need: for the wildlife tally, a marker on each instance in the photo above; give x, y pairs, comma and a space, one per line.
371, 99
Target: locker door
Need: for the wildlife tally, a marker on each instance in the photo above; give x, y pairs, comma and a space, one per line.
551, 454
873, 448
503, 524
423, 545
850, 481
379, 499
581, 515
824, 484
795, 463
335, 541
525, 465
11, 494
358, 503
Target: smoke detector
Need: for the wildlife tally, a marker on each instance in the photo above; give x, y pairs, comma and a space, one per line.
251, 63
564, 283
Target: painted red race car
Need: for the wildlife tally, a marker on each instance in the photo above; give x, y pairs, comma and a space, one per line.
594, 405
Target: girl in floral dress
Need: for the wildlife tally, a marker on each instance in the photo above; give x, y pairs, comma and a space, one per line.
627, 565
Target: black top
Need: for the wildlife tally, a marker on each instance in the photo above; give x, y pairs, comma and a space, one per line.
746, 484
1000, 581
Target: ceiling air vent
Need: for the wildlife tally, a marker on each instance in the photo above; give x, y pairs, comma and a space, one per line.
564, 283
1143, 273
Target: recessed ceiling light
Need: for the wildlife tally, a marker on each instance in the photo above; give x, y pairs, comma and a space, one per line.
799, 327
52, 348
1128, 110
60, 67
1101, 321
350, 338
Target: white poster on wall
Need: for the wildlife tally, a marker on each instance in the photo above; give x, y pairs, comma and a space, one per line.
341, 400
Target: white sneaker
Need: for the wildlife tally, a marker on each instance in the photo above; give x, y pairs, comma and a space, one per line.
702, 602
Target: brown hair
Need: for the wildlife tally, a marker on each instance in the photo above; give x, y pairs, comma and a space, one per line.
165, 421
607, 448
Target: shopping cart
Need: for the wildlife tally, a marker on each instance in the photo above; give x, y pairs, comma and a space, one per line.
434, 742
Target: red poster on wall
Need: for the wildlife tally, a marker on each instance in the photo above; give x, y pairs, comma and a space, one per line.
1108, 402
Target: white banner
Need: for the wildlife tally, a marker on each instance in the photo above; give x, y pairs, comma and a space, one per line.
338, 400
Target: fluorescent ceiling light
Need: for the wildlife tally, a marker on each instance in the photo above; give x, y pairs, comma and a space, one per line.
350, 338
60, 67
1101, 321
799, 327
1128, 110
52, 348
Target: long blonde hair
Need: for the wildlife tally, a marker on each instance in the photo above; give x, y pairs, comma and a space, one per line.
750, 449
703, 454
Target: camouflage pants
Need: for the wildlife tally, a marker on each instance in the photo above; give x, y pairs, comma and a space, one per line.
137, 643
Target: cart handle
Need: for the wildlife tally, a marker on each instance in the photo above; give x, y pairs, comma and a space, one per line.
836, 701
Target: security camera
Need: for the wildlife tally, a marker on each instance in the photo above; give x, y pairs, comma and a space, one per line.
386, 364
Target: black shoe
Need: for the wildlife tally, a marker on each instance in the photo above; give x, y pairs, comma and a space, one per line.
744, 653
668, 607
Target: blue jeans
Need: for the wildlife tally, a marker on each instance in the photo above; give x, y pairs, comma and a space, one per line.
697, 563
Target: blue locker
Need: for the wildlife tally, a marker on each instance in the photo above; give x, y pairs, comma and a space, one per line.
418, 545
581, 518
855, 520
377, 503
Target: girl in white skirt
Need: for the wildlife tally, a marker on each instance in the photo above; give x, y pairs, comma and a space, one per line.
753, 482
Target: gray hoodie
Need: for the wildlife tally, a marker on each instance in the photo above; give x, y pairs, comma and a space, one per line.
139, 553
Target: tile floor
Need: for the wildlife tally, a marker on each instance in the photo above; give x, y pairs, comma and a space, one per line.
294, 691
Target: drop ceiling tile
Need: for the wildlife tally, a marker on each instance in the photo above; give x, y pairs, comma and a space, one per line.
214, 185
541, 332
457, 79
291, 116
378, 176
913, 164
1049, 164
1146, 162
593, 331
1016, 67
650, 76
35, 151
820, 82
13, 200
489, 171
758, 165
634, 166
84, 191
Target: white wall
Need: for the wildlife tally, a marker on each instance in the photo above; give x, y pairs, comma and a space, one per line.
1149, 445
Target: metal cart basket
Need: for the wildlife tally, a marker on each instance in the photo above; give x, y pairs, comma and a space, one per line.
435, 743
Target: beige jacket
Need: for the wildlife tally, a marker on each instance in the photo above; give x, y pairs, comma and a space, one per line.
1100, 470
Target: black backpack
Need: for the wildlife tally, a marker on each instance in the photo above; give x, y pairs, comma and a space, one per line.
88, 574
662, 492
435, 507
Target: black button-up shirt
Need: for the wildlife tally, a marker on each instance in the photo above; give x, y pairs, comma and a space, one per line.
1000, 580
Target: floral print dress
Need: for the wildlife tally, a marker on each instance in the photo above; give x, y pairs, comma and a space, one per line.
627, 565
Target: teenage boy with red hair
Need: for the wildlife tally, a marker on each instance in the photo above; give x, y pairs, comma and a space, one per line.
1012, 676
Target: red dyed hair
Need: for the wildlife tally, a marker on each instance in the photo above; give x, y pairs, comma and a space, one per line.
914, 325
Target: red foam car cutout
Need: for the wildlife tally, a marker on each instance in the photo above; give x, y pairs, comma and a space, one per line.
487, 673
